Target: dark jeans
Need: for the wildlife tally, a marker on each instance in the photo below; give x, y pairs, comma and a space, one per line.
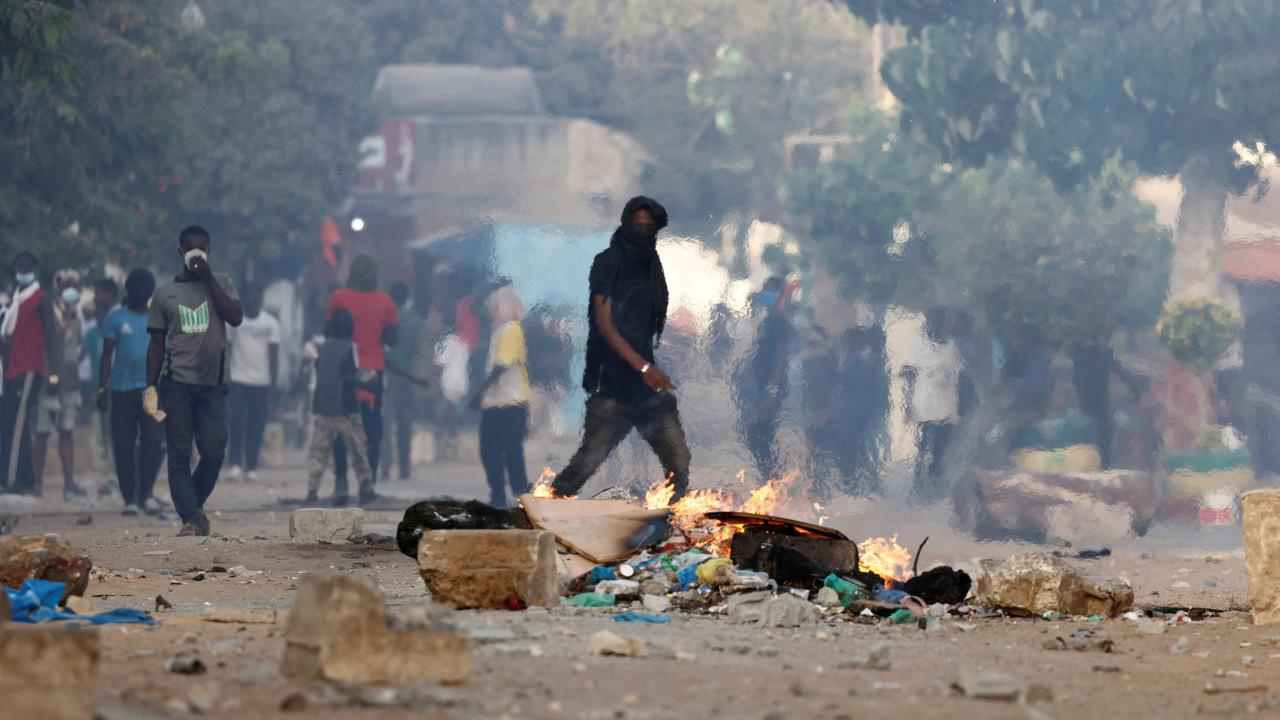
138, 443
247, 424
760, 431
371, 418
17, 415
934, 437
196, 414
609, 422
502, 434
402, 407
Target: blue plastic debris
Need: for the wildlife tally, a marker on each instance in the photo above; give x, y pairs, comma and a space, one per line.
639, 617
37, 602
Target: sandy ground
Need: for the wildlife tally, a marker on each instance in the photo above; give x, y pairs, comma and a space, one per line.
697, 666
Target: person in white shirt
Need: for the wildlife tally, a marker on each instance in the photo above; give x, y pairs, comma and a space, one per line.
254, 364
932, 371
453, 360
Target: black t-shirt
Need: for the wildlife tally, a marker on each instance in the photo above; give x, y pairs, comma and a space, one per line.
630, 286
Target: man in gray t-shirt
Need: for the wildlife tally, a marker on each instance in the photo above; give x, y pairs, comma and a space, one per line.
188, 326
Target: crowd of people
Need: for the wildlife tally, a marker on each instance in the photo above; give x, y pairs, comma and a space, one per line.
196, 364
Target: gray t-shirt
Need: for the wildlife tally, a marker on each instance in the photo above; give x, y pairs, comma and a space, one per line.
196, 348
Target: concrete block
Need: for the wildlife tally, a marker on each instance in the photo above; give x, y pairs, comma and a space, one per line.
1036, 583
485, 568
1262, 553
325, 525
338, 631
47, 671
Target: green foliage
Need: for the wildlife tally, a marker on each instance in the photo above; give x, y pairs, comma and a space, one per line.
903, 228
1062, 267
850, 208
1070, 84
712, 89
1198, 330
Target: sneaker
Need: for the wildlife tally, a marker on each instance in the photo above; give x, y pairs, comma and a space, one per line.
369, 497
340, 501
152, 506
130, 510
312, 498
251, 476
203, 523
235, 473
190, 530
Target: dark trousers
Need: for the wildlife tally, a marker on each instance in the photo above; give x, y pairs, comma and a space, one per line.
17, 413
137, 441
197, 414
502, 434
760, 431
609, 421
247, 424
401, 406
371, 418
934, 437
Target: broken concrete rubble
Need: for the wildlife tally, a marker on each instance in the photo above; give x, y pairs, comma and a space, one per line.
43, 557
607, 643
1261, 543
768, 610
325, 525
1036, 583
48, 672
338, 631
487, 568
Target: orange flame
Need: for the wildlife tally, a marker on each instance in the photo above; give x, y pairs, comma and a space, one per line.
542, 488
660, 495
885, 557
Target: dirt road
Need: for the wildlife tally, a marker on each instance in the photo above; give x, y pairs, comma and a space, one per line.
536, 665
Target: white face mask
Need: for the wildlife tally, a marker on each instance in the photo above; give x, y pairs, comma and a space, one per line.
193, 254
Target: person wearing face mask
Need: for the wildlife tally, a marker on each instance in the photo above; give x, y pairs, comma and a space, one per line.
60, 402
188, 325
762, 383
28, 338
628, 310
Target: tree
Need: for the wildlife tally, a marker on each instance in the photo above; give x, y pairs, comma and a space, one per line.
87, 100
1169, 85
712, 89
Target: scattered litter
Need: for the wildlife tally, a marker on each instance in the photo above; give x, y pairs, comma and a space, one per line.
593, 600
242, 571
1181, 645
636, 617
37, 602
1211, 689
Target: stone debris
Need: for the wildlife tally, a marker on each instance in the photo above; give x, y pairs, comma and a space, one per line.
607, 643
768, 610
48, 672
876, 659
325, 525
43, 557
1261, 513
186, 664
489, 568
1147, 626
1038, 583
1180, 645
985, 685
338, 630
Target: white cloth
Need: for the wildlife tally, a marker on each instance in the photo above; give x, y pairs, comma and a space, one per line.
11, 316
452, 358
937, 388
250, 349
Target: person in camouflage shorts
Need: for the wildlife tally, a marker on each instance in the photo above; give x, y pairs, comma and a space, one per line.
335, 409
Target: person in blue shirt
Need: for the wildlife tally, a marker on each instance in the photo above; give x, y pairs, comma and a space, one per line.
136, 437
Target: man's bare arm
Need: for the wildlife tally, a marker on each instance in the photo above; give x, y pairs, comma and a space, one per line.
155, 358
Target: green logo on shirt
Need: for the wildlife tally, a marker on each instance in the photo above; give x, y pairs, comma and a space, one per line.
194, 321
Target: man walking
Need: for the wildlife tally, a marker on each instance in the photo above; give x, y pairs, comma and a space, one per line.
59, 407
137, 438
28, 337
255, 367
188, 325
628, 309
